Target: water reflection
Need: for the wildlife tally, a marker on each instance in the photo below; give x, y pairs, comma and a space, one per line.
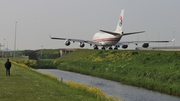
125, 92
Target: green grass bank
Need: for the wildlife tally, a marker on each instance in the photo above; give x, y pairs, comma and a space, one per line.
25, 84
155, 70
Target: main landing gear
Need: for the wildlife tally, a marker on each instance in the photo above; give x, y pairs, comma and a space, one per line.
110, 48
116, 47
95, 47
104, 48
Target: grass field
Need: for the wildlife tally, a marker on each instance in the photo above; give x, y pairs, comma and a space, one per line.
27, 85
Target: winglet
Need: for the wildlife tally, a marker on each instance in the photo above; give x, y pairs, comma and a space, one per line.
172, 40
50, 36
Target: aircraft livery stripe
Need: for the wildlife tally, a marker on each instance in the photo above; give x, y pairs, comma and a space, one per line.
106, 39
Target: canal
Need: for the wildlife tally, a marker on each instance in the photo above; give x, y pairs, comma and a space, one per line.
124, 92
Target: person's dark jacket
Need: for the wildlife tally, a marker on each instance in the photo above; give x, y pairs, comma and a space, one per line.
8, 65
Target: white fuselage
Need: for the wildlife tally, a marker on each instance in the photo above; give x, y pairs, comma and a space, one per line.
105, 39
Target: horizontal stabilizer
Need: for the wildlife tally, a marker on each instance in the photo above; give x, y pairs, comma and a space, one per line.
113, 33
133, 33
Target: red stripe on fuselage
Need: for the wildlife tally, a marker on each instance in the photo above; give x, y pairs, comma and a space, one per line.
106, 39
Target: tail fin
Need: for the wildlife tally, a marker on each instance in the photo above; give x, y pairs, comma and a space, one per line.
120, 23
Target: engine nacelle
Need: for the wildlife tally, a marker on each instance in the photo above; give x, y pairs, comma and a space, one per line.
124, 46
145, 45
67, 43
81, 44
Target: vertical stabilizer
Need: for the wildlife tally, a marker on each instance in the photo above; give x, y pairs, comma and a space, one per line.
120, 23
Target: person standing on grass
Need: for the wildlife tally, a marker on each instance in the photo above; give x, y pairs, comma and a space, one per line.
7, 66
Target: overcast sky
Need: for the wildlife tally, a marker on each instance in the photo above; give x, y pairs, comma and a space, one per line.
81, 19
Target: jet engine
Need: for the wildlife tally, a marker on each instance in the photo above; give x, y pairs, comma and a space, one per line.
67, 43
124, 46
145, 45
81, 44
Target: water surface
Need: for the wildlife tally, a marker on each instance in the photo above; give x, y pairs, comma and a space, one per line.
124, 92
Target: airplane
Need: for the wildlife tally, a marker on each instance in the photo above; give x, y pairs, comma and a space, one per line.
107, 39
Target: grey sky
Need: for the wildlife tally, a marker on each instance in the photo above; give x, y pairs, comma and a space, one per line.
80, 19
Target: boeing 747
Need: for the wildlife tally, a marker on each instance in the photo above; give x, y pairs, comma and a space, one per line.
107, 39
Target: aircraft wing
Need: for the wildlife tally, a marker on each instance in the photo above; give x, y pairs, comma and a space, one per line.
76, 40
137, 42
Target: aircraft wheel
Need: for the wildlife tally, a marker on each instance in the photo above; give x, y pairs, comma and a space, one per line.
110, 48
103, 48
95, 48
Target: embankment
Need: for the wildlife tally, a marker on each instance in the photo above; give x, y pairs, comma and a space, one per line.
155, 70
25, 84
